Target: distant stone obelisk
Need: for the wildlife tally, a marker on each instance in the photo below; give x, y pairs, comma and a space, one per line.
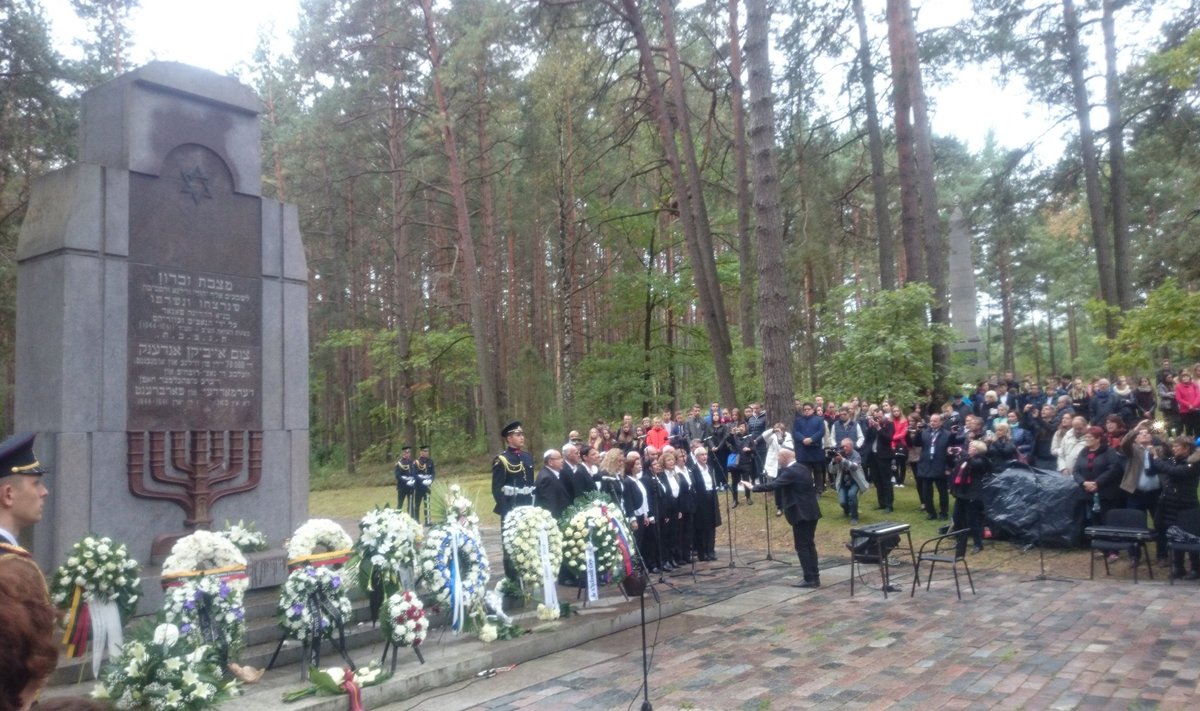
963, 301
162, 329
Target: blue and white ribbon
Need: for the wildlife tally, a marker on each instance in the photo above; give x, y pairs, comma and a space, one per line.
456, 592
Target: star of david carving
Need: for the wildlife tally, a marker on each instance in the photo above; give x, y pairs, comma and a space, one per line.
195, 184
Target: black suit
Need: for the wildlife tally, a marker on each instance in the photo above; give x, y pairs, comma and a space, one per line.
931, 469
802, 508
708, 511
552, 494
577, 479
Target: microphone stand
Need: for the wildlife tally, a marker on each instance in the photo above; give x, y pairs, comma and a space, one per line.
767, 500
1037, 541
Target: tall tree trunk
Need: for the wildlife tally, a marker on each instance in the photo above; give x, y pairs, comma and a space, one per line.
403, 295
1118, 185
1072, 335
470, 273
1091, 164
745, 244
1008, 329
900, 34
930, 223
879, 187
773, 297
568, 299
489, 241
703, 266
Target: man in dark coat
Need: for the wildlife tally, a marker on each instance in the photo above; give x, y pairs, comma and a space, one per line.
931, 468
880, 463
802, 509
575, 475
552, 493
808, 436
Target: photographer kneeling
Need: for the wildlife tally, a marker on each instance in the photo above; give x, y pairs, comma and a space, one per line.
848, 479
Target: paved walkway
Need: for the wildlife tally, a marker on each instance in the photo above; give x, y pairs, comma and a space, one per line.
1031, 645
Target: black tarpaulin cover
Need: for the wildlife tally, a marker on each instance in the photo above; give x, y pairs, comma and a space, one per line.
1021, 501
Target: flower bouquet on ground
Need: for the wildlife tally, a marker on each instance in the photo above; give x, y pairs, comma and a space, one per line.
385, 556
99, 587
161, 669
204, 580
340, 680
245, 536
596, 543
454, 569
404, 624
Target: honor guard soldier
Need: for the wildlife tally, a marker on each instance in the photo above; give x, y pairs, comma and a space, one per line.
27, 619
22, 493
405, 477
512, 479
425, 474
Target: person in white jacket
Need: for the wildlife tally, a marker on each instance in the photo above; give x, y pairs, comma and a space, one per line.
778, 438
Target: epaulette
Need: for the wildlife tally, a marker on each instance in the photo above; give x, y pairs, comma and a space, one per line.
509, 466
403, 467
6, 548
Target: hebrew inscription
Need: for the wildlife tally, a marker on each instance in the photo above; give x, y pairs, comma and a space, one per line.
194, 348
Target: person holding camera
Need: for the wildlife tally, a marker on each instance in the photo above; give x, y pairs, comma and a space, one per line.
848, 478
880, 461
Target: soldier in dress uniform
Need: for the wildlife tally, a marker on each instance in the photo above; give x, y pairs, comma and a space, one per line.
425, 474
27, 619
405, 477
512, 478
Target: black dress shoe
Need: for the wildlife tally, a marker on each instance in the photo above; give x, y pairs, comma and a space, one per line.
809, 584
944, 517
735, 505
655, 570
931, 517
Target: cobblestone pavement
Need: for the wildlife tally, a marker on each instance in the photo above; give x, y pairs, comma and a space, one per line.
1106, 644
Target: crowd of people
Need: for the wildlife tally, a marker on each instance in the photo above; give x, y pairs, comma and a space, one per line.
1125, 445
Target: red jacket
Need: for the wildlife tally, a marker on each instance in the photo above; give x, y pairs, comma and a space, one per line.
657, 437
1187, 395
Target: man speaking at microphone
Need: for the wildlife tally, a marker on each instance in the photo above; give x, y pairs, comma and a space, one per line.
802, 509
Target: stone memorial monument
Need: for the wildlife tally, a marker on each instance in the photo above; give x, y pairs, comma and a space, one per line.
162, 322
963, 298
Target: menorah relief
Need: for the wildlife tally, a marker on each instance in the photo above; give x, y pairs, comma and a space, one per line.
193, 469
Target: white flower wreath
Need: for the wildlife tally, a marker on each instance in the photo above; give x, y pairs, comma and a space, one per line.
436, 564
201, 551
210, 610
387, 544
313, 599
317, 535
103, 570
522, 544
403, 620
603, 520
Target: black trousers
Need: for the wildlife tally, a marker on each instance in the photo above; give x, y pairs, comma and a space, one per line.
881, 475
968, 514
804, 534
925, 489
